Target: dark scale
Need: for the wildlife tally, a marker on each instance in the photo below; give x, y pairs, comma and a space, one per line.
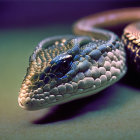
42, 76
114, 42
54, 67
47, 69
117, 45
110, 47
102, 48
51, 75
33, 87
35, 78
39, 84
46, 80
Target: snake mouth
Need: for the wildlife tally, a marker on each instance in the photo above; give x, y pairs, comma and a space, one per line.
84, 68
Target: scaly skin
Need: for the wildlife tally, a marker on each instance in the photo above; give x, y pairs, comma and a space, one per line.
131, 39
65, 68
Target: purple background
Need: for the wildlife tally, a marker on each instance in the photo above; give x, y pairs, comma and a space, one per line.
38, 13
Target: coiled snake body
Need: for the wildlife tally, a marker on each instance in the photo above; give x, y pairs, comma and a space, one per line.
65, 68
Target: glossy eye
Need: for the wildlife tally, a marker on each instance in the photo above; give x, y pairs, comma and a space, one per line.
62, 66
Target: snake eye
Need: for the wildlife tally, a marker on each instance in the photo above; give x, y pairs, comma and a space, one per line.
65, 64
62, 66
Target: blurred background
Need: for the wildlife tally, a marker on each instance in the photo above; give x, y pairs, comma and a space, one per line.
112, 114
29, 13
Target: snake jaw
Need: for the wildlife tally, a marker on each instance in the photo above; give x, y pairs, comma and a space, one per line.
93, 66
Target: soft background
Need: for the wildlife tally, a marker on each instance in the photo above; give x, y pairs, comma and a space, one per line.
112, 114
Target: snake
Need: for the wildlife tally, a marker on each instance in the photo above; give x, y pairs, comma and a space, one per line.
68, 67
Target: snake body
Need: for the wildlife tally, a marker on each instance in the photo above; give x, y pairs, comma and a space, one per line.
65, 68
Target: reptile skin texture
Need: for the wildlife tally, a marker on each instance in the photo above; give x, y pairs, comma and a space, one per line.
65, 68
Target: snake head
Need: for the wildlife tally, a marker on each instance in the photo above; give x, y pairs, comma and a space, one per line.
62, 69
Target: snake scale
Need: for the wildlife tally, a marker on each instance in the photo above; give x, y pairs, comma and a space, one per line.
65, 68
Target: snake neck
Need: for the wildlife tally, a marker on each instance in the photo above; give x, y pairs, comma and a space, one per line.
92, 24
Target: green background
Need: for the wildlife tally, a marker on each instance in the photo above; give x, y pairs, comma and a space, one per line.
111, 114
